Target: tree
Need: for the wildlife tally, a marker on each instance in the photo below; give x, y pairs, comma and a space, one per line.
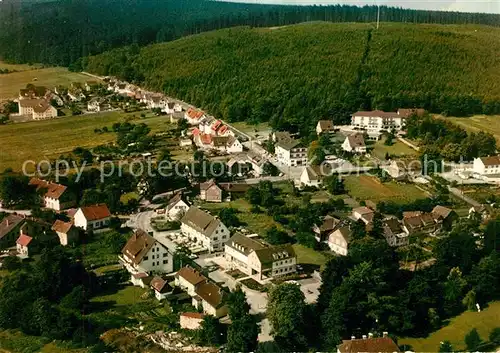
492, 236
76, 299
445, 347
454, 291
15, 190
334, 184
242, 334
211, 331
11, 263
277, 237
494, 336
237, 304
469, 300
270, 169
472, 340
286, 312
229, 218
307, 239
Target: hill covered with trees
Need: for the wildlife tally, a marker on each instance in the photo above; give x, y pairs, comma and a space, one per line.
295, 75
58, 32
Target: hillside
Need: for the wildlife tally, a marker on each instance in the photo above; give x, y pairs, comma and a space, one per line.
295, 75
58, 32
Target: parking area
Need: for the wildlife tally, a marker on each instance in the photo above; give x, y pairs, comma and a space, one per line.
310, 288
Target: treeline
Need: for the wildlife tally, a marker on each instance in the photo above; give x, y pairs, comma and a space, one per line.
59, 32
296, 75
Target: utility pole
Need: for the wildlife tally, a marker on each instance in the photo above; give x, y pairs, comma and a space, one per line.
378, 16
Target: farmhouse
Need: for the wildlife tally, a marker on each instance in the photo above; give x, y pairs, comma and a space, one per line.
324, 126
37, 109
354, 143
143, 254
210, 191
92, 217
291, 152
55, 196
338, 241
394, 233
66, 231
204, 229
329, 225
378, 120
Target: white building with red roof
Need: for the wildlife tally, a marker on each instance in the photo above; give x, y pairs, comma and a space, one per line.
378, 120
22, 244
55, 196
194, 116
92, 217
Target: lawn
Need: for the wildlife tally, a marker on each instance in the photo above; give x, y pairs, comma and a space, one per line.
49, 139
10, 84
397, 149
476, 123
456, 330
256, 131
18, 342
370, 188
18, 67
309, 256
129, 196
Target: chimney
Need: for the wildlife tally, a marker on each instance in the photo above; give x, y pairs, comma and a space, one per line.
385, 334
364, 337
370, 335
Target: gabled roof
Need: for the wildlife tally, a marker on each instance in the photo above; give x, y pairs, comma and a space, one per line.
191, 275
391, 226
441, 211
288, 144
38, 105
235, 187
220, 141
175, 200
210, 293
24, 240
343, 233
160, 285
282, 135
200, 221
199, 316
208, 184
243, 244
138, 246
9, 223
329, 224
356, 140
194, 114
54, 191
318, 172
271, 254
96, 212
325, 125
369, 345
62, 227
490, 160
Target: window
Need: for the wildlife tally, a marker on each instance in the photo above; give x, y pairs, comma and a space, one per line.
157, 263
145, 257
223, 237
165, 262
165, 254
215, 239
153, 249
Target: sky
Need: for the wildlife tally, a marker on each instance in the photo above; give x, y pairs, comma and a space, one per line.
488, 6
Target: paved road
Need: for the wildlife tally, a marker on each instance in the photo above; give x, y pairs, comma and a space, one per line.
141, 220
21, 212
460, 195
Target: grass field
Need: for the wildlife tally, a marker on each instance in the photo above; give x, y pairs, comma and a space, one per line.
309, 256
19, 67
17, 342
397, 149
49, 139
456, 330
476, 123
10, 84
370, 188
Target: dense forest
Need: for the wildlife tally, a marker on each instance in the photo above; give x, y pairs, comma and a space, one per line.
294, 75
59, 32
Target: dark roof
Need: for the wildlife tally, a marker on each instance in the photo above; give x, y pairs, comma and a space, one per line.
175, 199
200, 220
288, 144
318, 172
138, 246
441, 211
210, 293
207, 184
243, 244
220, 141
194, 315
282, 135
274, 253
62, 227
235, 187
491, 160
96, 212
329, 224
160, 285
356, 140
391, 226
9, 223
371, 345
38, 105
325, 125
191, 275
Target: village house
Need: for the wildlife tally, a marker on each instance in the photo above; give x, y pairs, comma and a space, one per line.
394, 233
9, 228
160, 287
96, 104
191, 321
66, 231
234, 190
54, 196
33, 92
280, 136
338, 241
194, 116
239, 165
291, 152
313, 175
76, 94
257, 259
177, 207
92, 217
226, 144
204, 229
420, 223
369, 344
37, 109
487, 168
187, 278
210, 191
363, 213
445, 215
172, 108
210, 298
324, 126
401, 169
329, 225
378, 120
22, 245
143, 255
354, 143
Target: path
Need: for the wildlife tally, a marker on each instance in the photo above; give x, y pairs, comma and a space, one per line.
20, 212
408, 143
460, 195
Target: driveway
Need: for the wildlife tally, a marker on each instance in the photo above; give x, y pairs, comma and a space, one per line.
310, 288
141, 220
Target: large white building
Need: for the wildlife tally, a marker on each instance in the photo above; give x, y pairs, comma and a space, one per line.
92, 217
55, 196
258, 259
486, 165
144, 255
378, 120
291, 152
204, 229
37, 109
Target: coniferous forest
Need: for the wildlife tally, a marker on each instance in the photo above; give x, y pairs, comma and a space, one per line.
295, 75
59, 32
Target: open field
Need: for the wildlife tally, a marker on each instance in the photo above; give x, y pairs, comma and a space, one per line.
370, 188
309, 256
397, 149
456, 330
10, 84
259, 131
19, 67
476, 123
40, 140
17, 342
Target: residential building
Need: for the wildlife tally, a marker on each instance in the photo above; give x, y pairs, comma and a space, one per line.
369, 345
239, 165
210, 191
204, 229
92, 217
66, 231
329, 225
324, 126
172, 108
160, 287
187, 278
143, 255
394, 233
54, 196
338, 240
177, 207
210, 298
194, 116
22, 245
37, 109
378, 120
96, 105
226, 144
291, 152
76, 94
487, 168
313, 175
33, 92
420, 223
280, 136
234, 190
237, 249
445, 215
363, 213
354, 143
191, 321
9, 228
